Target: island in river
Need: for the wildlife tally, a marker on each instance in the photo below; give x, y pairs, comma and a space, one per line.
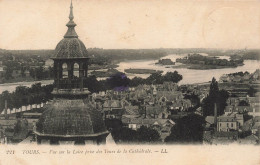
197, 61
165, 62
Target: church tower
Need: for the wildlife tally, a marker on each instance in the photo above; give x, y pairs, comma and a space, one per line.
70, 117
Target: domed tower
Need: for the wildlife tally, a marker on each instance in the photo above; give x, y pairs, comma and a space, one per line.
70, 117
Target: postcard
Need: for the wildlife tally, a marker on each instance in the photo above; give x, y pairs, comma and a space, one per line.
130, 82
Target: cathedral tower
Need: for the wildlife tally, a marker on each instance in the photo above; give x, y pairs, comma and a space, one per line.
70, 117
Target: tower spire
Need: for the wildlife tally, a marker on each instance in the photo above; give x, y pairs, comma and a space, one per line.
71, 33
71, 11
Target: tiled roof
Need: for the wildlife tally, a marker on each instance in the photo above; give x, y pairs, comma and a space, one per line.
70, 117
69, 48
210, 119
132, 110
226, 118
153, 110
256, 125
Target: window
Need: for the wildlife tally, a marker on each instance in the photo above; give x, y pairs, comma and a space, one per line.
76, 70
227, 124
220, 124
231, 124
64, 70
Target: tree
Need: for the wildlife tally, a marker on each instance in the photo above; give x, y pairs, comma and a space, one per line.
216, 96
5, 96
136, 81
118, 81
8, 73
155, 78
214, 90
113, 124
93, 84
188, 129
172, 76
125, 135
147, 134
195, 100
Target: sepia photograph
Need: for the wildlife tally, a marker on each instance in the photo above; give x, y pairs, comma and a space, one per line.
87, 74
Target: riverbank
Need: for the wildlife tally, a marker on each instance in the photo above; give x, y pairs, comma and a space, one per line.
105, 73
201, 67
21, 80
207, 67
142, 71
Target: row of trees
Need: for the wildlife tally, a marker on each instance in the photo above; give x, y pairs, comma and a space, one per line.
37, 93
40, 73
120, 81
23, 95
108, 56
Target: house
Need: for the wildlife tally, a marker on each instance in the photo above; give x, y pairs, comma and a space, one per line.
256, 75
233, 101
48, 63
209, 121
163, 126
113, 114
229, 109
242, 109
224, 78
155, 111
255, 110
112, 104
256, 128
240, 119
237, 79
256, 125
169, 86
168, 96
246, 77
112, 109
31, 119
16, 73
227, 123
136, 122
251, 139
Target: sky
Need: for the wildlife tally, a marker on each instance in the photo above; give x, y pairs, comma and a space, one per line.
112, 24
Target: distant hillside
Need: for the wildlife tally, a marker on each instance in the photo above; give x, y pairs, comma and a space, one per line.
101, 56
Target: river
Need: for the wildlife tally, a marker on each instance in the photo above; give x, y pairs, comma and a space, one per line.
189, 75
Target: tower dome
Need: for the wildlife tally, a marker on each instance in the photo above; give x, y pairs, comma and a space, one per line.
70, 46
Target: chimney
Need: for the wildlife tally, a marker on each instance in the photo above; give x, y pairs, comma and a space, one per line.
5, 109
215, 114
